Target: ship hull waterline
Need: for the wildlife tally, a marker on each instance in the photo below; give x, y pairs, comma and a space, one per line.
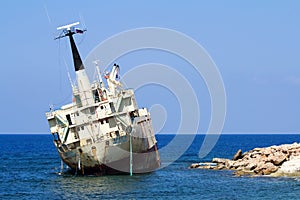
98, 159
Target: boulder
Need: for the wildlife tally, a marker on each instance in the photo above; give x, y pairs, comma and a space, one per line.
277, 159
238, 155
269, 168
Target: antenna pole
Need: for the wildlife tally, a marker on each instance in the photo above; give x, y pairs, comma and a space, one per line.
96, 62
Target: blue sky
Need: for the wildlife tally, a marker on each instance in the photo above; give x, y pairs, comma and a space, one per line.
255, 45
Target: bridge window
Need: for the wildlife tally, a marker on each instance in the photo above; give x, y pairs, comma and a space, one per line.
96, 96
78, 101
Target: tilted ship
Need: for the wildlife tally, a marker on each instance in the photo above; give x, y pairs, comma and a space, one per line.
102, 131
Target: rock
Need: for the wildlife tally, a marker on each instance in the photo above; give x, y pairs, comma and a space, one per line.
277, 159
204, 165
235, 165
238, 155
220, 167
251, 166
269, 168
264, 168
220, 160
229, 164
194, 165
255, 154
267, 171
257, 149
267, 151
244, 173
291, 167
240, 173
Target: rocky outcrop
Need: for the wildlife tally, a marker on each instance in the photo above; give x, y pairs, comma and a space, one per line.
283, 160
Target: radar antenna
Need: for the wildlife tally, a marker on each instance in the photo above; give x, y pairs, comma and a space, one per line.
69, 28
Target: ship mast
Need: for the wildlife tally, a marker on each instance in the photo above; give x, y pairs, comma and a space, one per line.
67, 31
76, 57
84, 86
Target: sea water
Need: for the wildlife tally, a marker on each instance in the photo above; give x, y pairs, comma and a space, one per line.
29, 166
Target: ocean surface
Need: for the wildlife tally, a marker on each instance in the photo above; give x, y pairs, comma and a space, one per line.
29, 166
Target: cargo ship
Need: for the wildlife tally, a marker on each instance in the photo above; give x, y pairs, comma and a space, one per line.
102, 130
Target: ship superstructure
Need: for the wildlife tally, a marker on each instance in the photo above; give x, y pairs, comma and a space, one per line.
102, 131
